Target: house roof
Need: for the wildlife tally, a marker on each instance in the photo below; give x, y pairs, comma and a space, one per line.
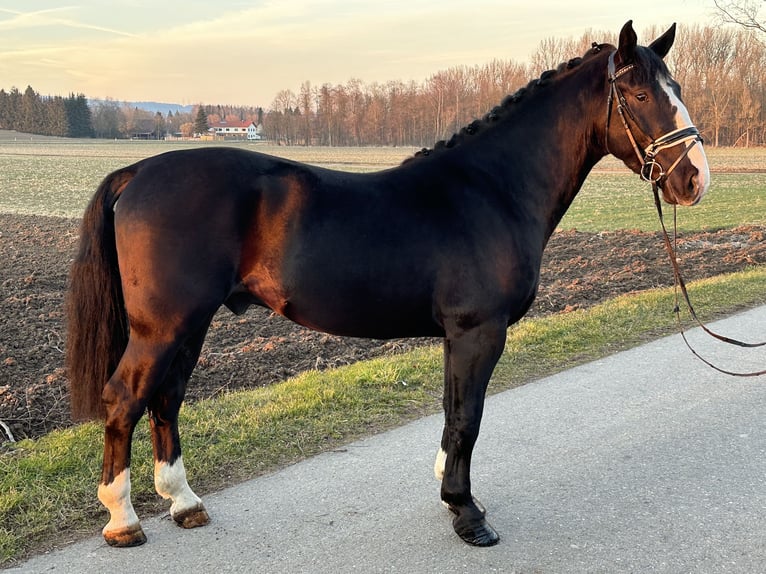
231, 125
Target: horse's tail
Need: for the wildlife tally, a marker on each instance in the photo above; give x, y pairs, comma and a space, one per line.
97, 323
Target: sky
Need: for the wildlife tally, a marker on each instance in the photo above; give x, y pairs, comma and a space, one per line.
243, 52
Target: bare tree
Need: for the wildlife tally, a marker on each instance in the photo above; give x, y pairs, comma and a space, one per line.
719, 67
281, 124
741, 12
551, 52
305, 100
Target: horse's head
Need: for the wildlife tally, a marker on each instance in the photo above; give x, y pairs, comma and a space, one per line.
648, 127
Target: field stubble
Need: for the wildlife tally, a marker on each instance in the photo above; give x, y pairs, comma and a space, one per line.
55, 176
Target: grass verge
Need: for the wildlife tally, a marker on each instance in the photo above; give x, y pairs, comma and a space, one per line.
48, 486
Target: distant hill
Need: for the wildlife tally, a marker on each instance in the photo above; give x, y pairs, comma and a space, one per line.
162, 107
154, 107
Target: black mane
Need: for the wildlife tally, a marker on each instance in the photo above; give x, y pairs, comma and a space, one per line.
501, 111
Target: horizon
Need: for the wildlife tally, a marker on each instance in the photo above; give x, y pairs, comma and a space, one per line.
244, 53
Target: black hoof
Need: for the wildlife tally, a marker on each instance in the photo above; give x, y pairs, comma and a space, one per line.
476, 532
471, 526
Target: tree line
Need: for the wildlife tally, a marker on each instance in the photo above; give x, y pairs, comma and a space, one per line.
720, 69
74, 116
54, 116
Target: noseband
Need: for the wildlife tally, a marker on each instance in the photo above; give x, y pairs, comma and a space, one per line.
651, 169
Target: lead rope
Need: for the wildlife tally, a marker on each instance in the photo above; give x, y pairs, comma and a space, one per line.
680, 284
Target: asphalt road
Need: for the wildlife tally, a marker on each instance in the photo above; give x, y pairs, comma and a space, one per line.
646, 461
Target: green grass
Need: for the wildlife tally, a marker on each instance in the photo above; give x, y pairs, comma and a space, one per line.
48, 486
611, 201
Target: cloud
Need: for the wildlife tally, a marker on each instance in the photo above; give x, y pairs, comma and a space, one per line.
50, 19
244, 52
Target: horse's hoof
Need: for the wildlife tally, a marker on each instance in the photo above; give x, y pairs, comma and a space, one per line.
192, 517
125, 537
476, 532
471, 526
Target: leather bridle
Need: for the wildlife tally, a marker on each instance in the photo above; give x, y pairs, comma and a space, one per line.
651, 169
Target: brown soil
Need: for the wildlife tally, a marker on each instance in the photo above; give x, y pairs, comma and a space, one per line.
259, 348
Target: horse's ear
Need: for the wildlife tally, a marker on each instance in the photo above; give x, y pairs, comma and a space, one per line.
628, 42
661, 46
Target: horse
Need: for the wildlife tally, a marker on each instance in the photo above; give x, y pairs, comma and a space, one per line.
447, 244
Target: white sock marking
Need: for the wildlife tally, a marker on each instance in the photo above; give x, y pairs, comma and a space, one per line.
116, 497
440, 464
170, 482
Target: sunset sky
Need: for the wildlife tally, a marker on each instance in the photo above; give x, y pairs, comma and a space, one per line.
243, 52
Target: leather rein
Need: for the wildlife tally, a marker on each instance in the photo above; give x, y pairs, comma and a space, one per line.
653, 172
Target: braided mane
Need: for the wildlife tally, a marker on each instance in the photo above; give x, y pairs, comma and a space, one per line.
503, 110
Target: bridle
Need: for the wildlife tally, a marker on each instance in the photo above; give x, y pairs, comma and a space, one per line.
651, 169
653, 172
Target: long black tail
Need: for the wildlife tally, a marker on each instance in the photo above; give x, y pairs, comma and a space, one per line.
97, 325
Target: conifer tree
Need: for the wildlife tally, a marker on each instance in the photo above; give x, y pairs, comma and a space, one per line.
200, 123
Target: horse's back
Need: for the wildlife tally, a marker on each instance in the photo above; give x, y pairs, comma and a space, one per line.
222, 225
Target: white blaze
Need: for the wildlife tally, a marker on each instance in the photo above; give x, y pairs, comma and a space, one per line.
697, 153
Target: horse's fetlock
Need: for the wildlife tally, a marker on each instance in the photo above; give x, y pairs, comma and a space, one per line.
455, 499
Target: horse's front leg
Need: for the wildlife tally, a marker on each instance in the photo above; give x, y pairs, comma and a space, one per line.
469, 358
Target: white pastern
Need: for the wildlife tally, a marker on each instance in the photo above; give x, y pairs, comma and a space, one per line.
697, 154
170, 482
440, 464
116, 497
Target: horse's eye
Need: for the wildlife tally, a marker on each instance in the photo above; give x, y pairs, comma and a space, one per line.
642, 97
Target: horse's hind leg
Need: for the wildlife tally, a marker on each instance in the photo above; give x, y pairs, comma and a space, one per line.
169, 472
126, 396
469, 358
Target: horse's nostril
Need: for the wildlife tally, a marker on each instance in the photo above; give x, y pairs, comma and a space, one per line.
693, 184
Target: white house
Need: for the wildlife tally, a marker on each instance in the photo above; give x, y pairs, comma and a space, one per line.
241, 130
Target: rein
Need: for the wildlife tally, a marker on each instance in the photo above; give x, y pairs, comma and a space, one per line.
681, 285
653, 172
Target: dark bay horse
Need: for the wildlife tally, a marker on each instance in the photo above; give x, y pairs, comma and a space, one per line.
447, 244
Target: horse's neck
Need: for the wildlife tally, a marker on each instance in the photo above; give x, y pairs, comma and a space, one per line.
554, 141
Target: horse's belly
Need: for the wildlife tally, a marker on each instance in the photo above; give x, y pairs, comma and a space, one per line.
367, 319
